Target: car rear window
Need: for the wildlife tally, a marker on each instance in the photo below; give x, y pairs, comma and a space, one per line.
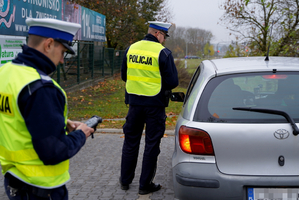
278, 91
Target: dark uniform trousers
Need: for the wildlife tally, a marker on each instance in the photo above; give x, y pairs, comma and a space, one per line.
154, 118
26, 192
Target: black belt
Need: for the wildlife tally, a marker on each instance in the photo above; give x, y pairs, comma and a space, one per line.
18, 185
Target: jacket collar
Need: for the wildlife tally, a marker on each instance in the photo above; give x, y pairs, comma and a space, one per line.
150, 37
33, 58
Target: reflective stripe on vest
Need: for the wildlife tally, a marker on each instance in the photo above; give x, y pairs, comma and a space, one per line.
17, 154
143, 73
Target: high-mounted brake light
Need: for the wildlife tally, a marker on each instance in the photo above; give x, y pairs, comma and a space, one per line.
195, 141
275, 76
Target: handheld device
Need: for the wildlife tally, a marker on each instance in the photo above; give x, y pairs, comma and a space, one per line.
93, 122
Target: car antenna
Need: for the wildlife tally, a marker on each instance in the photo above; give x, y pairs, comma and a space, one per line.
267, 56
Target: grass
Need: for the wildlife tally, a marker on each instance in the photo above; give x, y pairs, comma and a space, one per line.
192, 64
106, 99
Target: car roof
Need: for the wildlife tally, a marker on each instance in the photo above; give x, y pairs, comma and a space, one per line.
252, 64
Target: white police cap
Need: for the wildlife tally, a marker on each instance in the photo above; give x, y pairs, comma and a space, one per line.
61, 31
161, 26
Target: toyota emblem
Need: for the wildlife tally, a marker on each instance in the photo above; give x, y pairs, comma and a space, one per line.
281, 134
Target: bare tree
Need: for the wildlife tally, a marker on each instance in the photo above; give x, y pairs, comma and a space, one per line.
188, 40
176, 42
197, 38
252, 20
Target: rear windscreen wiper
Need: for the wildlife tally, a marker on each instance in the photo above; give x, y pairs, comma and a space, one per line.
275, 112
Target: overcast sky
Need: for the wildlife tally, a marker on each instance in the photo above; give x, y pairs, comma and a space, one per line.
203, 14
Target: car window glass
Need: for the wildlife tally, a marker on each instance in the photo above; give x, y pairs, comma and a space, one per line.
257, 90
192, 83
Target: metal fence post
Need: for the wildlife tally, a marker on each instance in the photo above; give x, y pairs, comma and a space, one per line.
112, 64
92, 69
103, 71
78, 63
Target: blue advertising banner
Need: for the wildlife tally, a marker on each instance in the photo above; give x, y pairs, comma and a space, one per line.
13, 14
93, 24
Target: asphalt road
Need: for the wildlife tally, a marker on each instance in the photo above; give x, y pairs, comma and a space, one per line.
95, 171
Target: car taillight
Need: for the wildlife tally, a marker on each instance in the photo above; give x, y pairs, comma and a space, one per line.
195, 141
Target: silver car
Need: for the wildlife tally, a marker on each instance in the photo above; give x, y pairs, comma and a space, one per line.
236, 137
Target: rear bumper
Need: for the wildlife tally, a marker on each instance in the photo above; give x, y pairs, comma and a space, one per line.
196, 182
204, 181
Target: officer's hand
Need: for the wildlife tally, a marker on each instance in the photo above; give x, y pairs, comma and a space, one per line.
87, 130
72, 125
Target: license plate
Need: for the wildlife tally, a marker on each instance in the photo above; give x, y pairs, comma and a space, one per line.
272, 193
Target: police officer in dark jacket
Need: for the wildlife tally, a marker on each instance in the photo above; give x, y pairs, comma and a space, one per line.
37, 140
150, 74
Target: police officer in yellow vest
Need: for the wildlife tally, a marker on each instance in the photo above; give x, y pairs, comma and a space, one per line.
150, 73
36, 138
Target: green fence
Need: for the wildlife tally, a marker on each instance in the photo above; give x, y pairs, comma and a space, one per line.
92, 61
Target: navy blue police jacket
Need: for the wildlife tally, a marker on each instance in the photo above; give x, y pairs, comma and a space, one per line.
42, 107
168, 73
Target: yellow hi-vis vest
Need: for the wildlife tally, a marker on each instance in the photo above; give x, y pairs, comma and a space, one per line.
143, 73
17, 155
